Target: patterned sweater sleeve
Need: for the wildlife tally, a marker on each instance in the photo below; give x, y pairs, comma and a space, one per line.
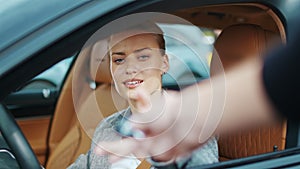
105, 131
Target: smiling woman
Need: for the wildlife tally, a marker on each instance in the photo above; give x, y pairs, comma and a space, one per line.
138, 61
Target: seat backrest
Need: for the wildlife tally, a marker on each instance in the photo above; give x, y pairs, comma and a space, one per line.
104, 100
237, 43
91, 105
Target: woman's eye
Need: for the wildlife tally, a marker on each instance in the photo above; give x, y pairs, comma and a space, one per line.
143, 57
119, 61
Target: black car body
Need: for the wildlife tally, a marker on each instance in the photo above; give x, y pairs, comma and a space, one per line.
36, 35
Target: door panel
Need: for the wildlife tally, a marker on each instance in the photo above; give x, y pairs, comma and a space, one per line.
34, 103
36, 131
33, 110
30, 103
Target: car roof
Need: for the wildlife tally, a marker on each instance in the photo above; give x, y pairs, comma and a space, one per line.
20, 17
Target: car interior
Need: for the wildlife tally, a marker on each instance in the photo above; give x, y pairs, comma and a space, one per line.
247, 30
237, 43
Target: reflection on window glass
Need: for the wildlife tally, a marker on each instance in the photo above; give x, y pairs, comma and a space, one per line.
51, 78
57, 72
189, 49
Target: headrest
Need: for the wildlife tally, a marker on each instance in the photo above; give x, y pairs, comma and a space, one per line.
238, 42
99, 63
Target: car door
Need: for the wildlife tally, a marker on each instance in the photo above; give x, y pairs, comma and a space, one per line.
33, 105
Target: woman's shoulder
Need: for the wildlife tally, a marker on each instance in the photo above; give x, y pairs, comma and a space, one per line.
112, 120
106, 129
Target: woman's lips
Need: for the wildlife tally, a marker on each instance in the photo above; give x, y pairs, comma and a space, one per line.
133, 83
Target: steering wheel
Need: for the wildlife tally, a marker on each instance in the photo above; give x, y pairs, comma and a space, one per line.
17, 141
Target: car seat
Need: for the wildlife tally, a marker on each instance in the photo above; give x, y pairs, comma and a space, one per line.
237, 43
70, 137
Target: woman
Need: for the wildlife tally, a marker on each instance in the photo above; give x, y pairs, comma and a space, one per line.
138, 62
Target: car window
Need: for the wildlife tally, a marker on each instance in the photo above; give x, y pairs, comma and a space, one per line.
51, 78
38, 96
189, 57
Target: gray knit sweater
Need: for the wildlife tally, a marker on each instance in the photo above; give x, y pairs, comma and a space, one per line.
106, 131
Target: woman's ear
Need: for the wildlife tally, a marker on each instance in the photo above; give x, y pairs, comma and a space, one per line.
165, 64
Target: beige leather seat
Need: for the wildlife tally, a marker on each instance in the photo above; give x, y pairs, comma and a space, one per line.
69, 136
71, 133
237, 43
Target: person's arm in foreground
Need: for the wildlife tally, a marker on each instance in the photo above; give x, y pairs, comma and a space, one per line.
244, 93
182, 126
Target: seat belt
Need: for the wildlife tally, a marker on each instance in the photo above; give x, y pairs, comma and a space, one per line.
144, 165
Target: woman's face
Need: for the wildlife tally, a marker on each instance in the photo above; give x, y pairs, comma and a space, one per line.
137, 62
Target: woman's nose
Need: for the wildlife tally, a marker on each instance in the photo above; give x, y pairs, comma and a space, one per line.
131, 68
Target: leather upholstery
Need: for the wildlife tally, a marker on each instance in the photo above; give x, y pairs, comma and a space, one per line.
100, 73
36, 131
251, 142
239, 42
71, 133
63, 116
235, 44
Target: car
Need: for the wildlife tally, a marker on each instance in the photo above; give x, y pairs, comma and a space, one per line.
40, 54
